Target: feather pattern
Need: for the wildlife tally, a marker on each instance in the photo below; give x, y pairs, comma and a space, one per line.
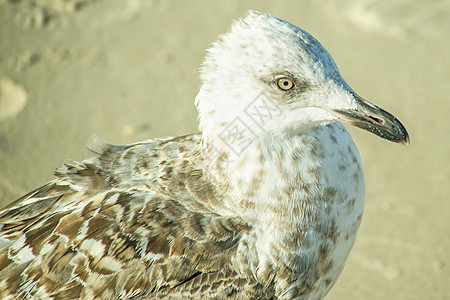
101, 230
264, 203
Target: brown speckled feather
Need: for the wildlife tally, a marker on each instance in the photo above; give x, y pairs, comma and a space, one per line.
264, 203
102, 229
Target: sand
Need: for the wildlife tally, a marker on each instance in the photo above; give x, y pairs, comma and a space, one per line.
128, 70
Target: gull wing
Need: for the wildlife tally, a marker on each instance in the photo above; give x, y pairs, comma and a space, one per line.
134, 220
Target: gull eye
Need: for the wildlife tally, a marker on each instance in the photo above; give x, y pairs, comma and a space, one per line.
285, 83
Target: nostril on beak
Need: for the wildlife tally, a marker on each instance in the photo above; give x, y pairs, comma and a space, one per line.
377, 120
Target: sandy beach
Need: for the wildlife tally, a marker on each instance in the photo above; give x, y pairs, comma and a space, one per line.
128, 71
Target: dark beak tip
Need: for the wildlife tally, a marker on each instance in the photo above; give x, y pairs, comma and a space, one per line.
406, 141
380, 122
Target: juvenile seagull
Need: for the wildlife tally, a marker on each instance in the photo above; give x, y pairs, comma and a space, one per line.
264, 203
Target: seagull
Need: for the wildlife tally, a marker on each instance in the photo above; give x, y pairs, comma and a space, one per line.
264, 203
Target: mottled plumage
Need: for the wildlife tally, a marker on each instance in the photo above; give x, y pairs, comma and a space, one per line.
264, 203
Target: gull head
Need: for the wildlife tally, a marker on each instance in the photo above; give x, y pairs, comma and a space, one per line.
267, 66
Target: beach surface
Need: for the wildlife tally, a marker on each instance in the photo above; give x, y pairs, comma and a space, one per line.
128, 71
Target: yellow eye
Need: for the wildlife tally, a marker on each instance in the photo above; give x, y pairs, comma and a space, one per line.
285, 83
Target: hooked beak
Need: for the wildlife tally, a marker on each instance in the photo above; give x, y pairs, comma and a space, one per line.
374, 119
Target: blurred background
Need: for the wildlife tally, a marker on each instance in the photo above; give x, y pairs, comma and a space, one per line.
128, 71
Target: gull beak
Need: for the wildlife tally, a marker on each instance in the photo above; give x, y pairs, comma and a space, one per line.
374, 119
